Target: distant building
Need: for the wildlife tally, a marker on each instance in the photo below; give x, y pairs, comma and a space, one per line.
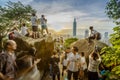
74, 27
106, 38
86, 33
106, 34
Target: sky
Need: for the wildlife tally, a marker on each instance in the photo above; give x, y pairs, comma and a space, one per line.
61, 13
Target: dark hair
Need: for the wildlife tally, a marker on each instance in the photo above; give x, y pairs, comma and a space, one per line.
33, 14
42, 15
91, 27
75, 48
95, 56
82, 53
23, 24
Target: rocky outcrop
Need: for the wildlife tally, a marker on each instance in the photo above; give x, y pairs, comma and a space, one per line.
43, 52
83, 46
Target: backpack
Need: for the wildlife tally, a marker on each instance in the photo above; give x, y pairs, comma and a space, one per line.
98, 35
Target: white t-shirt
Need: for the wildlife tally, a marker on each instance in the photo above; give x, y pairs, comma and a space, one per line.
83, 63
42, 21
74, 62
24, 30
34, 20
65, 62
93, 65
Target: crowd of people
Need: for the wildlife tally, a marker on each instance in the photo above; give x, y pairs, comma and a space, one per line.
73, 63
25, 31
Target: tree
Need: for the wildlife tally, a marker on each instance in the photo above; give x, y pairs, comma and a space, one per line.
11, 13
113, 10
16, 11
111, 58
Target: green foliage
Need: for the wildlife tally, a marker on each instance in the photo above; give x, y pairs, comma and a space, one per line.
111, 58
14, 12
113, 10
70, 41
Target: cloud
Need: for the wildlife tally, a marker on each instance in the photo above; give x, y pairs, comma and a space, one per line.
60, 13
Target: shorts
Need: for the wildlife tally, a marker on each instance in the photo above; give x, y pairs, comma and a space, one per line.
44, 26
35, 28
64, 67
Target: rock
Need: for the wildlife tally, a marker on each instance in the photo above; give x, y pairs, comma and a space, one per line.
83, 46
43, 50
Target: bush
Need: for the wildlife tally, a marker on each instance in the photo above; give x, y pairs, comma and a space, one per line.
69, 41
111, 56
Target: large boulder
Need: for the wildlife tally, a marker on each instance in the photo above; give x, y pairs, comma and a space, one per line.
43, 51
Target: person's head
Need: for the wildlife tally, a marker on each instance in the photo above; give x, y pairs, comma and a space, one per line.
32, 51
95, 56
82, 54
23, 24
10, 45
68, 50
42, 16
54, 52
74, 49
33, 14
91, 27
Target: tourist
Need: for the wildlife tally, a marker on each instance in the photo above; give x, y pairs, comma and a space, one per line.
7, 61
95, 35
24, 30
93, 67
34, 22
54, 61
83, 66
73, 64
64, 59
43, 22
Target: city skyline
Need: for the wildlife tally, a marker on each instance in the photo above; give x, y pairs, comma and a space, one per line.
61, 13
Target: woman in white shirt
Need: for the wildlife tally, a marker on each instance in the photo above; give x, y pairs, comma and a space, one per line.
83, 65
93, 67
24, 30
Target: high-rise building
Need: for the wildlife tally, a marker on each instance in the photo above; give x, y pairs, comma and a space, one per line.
74, 27
86, 33
106, 38
106, 35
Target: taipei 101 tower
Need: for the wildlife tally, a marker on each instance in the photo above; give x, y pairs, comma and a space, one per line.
74, 27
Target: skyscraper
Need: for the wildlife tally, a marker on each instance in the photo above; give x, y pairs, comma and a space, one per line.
74, 27
106, 38
86, 33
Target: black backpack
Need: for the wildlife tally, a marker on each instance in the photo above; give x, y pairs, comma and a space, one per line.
98, 36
